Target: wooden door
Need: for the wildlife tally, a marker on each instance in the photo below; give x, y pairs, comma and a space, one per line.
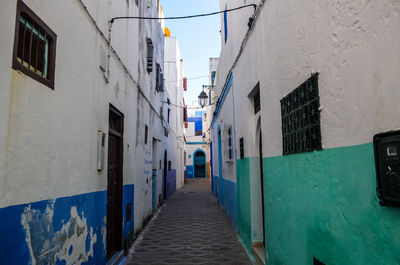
165, 175
114, 183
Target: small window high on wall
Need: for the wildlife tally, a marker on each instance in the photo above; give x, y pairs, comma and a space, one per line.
150, 51
301, 128
159, 79
34, 46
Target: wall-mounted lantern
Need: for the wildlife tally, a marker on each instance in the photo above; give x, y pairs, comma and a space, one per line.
203, 99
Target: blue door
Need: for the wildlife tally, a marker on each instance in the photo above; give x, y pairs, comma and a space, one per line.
220, 166
199, 160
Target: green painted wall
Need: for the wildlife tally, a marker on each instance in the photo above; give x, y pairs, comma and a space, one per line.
323, 204
244, 203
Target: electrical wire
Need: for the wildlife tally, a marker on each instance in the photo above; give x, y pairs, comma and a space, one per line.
169, 103
186, 17
192, 78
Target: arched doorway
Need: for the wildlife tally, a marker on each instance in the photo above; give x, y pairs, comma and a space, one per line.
199, 161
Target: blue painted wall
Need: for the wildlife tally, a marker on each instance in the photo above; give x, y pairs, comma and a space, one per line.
48, 225
214, 180
189, 172
229, 200
128, 225
171, 182
198, 123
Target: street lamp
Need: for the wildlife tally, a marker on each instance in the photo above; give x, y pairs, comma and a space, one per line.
203, 99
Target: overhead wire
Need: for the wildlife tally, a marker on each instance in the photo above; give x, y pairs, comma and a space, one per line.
185, 17
178, 106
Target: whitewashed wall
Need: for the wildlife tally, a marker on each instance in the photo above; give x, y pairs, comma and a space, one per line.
174, 85
353, 44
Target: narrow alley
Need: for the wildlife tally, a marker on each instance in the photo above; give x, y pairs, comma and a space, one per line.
199, 132
190, 228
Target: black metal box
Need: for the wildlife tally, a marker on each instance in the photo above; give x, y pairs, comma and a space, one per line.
387, 165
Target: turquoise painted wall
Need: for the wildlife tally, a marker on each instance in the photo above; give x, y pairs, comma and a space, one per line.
323, 204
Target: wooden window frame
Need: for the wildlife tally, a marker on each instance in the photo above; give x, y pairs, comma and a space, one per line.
51, 61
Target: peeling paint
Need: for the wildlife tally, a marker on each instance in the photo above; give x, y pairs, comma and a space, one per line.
68, 230
46, 246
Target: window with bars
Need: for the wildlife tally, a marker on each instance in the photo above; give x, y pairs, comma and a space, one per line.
34, 46
241, 144
301, 128
159, 79
228, 143
150, 52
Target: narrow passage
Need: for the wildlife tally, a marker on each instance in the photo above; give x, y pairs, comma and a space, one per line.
190, 229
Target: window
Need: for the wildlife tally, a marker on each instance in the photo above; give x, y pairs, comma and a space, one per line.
169, 165
146, 130
228, 143
34, 46
301, 128
254, 97
159, 79
150, 51
241, 144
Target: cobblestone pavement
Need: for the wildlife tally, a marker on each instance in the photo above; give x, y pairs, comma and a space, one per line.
190, 229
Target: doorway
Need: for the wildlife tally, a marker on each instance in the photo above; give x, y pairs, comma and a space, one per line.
219, 188
199, 161
165, 176
114, 182
154, 174
262, 185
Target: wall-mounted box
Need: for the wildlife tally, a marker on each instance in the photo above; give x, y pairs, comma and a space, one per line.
101, 142
387, 165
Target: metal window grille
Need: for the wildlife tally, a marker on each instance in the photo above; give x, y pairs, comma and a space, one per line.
301, 128
33, 46
228, 143
150, 51
241, 144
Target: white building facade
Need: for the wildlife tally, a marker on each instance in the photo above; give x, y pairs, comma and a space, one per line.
82, 128
301, 181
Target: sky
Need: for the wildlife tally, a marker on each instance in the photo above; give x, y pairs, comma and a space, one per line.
198, 38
